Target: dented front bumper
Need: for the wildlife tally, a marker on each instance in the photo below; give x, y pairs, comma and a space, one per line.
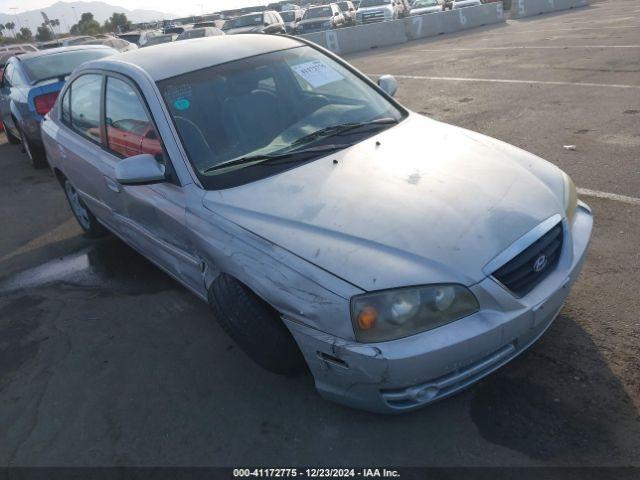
408, 373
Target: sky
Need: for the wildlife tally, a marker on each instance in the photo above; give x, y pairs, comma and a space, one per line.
182, 7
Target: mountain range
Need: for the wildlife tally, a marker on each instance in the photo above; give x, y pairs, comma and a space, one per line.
66, 12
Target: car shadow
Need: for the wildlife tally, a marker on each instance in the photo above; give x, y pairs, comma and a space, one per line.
106, 360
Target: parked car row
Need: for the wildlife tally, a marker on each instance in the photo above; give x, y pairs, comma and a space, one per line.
29, 87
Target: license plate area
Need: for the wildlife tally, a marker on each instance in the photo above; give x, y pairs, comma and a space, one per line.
549, 307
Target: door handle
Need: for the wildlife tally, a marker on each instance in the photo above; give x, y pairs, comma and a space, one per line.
112, 184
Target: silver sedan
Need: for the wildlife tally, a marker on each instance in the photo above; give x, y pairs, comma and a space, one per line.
399, 258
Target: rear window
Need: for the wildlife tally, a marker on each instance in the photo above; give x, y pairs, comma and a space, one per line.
244, 21
318, 12
59, 65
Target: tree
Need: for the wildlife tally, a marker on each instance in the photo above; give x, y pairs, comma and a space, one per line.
44, 33
54, 22
10, 26
86, 26
25, 35
117, 21
1, 30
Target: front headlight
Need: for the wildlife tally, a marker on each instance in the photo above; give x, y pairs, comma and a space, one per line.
393, 314
570, 198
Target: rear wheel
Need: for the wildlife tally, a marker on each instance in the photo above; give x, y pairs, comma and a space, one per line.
11, 138
255, 326
88, 222
36, 154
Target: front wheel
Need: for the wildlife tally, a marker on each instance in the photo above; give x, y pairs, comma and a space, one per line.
88, 222
255, 326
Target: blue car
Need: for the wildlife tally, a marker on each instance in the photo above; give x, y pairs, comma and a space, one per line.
28, 90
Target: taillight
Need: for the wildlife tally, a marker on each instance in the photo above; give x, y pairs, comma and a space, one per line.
44, 103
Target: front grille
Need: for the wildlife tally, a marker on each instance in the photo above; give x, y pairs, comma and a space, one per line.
373, 17
524, 272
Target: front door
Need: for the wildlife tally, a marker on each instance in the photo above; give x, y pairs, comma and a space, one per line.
150, 217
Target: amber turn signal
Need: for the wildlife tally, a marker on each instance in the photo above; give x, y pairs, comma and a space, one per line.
367, 318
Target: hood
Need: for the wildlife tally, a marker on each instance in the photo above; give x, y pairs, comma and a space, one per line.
431, 203
313, 21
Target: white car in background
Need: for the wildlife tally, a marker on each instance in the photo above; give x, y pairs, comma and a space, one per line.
421, 7
372, 11
118, 43
139, 37
465, 3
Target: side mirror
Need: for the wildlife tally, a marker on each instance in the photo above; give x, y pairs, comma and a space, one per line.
389, 84
139, 170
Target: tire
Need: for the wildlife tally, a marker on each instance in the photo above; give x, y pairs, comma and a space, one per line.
255, 326
35, 154
11, 138
90, 225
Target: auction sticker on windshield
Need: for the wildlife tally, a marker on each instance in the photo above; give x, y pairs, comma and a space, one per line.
317, 73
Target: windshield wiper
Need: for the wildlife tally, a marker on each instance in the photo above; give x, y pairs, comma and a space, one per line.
341, 129
276, 158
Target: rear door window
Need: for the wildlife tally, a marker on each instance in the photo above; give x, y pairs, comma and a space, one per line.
84, 115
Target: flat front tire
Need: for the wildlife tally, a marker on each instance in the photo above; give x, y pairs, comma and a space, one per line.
90, 225
35, 154
255, 326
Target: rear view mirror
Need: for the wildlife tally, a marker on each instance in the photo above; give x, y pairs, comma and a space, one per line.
389, 84
139, 170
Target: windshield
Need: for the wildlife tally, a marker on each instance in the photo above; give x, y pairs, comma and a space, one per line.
318, 12
61, 64
195, 33
174, 30
425, 3
79, 40
344, 6
160, 39
373, 3
244, 21
288, 16
131, 37
270, 104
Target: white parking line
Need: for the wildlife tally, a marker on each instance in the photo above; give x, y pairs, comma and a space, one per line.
512, 31
609, 196
542, 47
504, 80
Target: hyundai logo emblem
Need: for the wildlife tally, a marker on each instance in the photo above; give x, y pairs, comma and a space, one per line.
540, 263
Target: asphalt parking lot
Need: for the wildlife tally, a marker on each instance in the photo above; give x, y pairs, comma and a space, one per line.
104, 360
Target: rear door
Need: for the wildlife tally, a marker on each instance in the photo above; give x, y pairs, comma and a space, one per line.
79, 142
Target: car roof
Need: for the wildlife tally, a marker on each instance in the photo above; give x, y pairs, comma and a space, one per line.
53, 51
177, 58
